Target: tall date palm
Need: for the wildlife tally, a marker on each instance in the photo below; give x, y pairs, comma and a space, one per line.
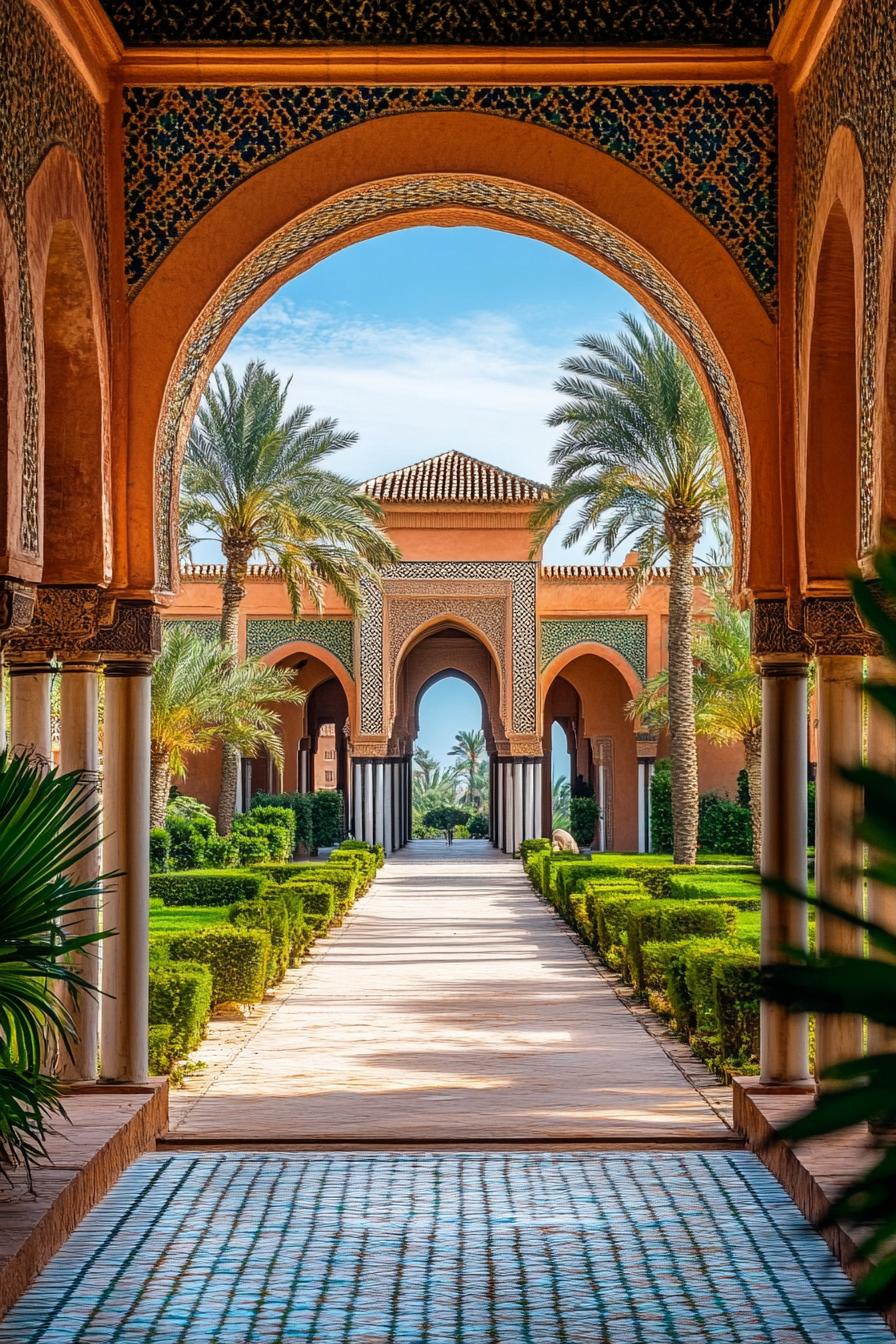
255, 479
469, 752
639, 461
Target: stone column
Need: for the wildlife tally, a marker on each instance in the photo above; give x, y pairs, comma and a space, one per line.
79, 753
126, 910
784, 1036
881, 897
386, 784
29, 697
645, 747
516, 832
837, 852
357, 799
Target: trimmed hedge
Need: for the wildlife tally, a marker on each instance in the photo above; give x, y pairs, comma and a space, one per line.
607, 904
272, 815
180, 997
535, 846
186, 844
207, 887
668, 921
161, 1053
318, 898
326, 817
249, 830
222, 852
237, 958
159, 849
269, 915
736, 977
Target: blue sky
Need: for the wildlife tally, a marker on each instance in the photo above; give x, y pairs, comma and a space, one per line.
429, 339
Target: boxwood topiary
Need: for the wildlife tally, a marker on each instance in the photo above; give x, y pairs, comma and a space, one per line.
238, 960
268, 914
535, 846
207, 887
180, 996
272, 815
161, 1052
318, 898
736, 979
668, 921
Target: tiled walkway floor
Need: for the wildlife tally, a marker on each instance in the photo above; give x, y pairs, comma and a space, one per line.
454, 1006
528, 1248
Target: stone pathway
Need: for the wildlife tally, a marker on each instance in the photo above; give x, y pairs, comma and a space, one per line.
446, 1036
452, 1007
526, 1248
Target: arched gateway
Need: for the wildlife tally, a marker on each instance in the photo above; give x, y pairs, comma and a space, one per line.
539, 643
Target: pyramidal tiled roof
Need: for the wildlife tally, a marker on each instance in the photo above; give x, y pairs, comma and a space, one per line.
453, 478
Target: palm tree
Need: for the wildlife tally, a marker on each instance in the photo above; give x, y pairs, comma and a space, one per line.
437, 790
640, 461
560, 802
254, 479
469, 751
727, 694
426, 764
199, 696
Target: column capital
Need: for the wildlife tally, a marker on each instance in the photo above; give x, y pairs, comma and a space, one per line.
783, 665
17, 601
77, 621
773, 633
128, 667
834, 627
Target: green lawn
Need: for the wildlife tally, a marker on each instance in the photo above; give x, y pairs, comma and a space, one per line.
170, 919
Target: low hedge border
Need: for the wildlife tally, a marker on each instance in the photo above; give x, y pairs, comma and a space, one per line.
204, 886
237, 958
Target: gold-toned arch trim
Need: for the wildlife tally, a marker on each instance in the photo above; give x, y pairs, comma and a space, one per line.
496, 199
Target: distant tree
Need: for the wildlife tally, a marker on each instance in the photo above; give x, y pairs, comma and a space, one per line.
469, 751
560, 799
445, 819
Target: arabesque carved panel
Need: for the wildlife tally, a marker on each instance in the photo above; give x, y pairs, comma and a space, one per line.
625, 634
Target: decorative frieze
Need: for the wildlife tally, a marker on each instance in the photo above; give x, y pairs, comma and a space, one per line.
335, 634
82, 620
626, 635
833, 626
772, 632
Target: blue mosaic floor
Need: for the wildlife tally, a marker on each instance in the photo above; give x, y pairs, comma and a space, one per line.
527, 1248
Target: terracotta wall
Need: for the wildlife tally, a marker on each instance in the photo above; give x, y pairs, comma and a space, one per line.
50, 127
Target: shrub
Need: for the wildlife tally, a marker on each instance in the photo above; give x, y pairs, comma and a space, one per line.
743, 788
159, 849
725, 827
656, 957
676, 963
362, 847
190, 809
277, 835
736, 976
529, 847
583, 815
608, 904
274, 815
252, 848
180, 996
364, 866
238, 960
222, 852
669, 921
478, 826
661, 808
270, 915
318, 898
207, 887
300, 806
161, 1053
291, 896
326, 817
187, 843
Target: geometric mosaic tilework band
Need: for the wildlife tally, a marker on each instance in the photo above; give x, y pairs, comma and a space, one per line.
626, 634
522, 577
712, 147
335, 634
502, 1248
209, 630
748, 23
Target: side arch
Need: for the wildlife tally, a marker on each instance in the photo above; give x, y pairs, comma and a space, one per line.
828, 469
298, 647
452, 168
73, 378
883, 430
12, 408
616, 660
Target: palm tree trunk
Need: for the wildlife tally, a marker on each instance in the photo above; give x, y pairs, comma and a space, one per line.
753, 754
159, 788
237, 555
682, 730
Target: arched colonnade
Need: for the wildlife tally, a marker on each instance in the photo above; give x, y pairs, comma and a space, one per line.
88, 568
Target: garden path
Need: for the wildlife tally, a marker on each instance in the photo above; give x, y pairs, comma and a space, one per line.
452, 1006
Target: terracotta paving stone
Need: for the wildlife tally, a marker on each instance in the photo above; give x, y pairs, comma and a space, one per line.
451, 1006
489, 1248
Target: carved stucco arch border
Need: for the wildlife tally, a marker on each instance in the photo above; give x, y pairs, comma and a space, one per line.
496, 199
